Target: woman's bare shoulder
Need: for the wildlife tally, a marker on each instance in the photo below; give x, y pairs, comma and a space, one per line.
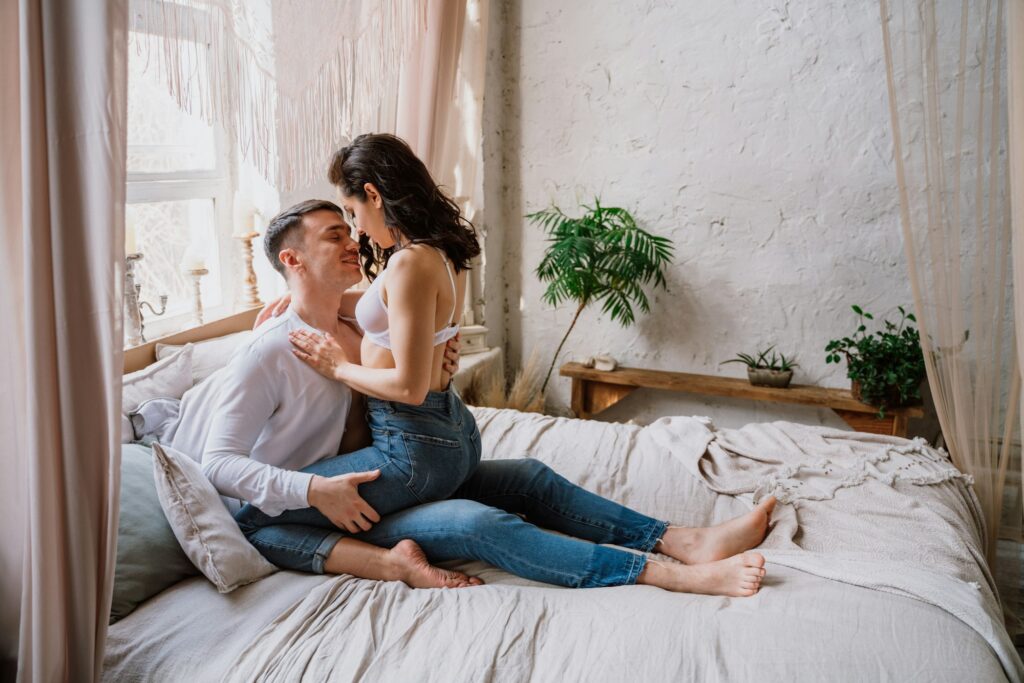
415, 259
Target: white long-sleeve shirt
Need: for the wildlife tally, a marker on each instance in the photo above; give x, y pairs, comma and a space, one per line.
260, 418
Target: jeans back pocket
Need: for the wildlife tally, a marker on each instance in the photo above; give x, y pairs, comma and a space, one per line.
438, 466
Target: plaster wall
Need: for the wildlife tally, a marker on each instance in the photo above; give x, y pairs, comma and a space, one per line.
755, 135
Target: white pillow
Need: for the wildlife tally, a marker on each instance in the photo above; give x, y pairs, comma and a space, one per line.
203, 526
210, 355
167, 378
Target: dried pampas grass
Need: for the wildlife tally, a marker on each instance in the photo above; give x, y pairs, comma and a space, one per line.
524, 394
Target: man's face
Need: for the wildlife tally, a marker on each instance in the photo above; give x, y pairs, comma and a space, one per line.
329, 254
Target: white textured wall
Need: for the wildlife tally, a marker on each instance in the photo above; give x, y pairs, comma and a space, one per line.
755, 135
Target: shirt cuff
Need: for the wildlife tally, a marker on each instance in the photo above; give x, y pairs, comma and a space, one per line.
299, 489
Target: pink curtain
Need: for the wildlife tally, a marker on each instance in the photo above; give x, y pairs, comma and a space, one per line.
440, 105
62, 185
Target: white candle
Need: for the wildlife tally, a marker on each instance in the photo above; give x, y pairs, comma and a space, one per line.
243, 214
193, 259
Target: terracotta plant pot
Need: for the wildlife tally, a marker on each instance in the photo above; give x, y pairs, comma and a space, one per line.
762, 377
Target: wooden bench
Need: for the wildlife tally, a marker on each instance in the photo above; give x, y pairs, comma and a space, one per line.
595, 390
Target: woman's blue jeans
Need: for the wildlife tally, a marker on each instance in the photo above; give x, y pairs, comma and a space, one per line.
434, 490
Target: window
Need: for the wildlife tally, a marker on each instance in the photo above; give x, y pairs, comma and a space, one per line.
179, 198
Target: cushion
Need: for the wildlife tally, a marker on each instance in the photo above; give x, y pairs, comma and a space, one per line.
210, 355
167, 378
149, 558
202, 524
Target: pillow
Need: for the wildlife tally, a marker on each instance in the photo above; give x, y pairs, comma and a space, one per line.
167, 378
203, 526
210, 355
149, 558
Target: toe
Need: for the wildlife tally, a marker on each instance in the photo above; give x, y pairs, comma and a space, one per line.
753, 560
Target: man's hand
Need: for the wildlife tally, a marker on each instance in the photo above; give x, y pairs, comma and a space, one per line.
273, 309
339, 500
450, 363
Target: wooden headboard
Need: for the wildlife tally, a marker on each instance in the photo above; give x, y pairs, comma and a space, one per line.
139, 357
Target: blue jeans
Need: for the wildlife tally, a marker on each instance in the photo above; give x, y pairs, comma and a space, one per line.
494, 513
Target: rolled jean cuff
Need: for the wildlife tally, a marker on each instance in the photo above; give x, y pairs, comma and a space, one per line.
323, 551
654, 534
639, 562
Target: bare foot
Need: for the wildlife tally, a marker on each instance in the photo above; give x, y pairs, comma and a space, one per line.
708, 544
738, 576
412, 567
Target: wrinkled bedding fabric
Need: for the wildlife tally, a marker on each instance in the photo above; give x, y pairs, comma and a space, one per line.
874, 573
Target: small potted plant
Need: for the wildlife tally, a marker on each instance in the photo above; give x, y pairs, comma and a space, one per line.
887, 367
764, 371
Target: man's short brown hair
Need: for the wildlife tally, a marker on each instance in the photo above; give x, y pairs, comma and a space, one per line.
285, 227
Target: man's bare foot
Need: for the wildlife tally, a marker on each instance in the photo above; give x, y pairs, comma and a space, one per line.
411, 567
738, 576
708, 544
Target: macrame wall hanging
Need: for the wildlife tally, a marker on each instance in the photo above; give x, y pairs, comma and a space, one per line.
289, 80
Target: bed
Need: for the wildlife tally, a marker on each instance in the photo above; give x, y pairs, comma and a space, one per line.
874, 573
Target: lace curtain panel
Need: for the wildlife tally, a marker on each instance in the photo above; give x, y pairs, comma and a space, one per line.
947, 79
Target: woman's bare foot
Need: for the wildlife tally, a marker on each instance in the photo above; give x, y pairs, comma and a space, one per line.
412, 567
708, 544
738, 576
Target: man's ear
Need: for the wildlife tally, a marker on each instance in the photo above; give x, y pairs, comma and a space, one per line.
372, 195
290, 259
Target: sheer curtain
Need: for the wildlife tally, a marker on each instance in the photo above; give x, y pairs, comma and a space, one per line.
440, 106
947, 79
62, 206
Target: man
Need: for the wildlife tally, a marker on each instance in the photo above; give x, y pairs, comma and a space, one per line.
256, 423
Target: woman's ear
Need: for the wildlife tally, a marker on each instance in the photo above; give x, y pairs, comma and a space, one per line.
372, 195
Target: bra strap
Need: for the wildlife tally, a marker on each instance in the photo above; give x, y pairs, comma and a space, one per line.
455, 292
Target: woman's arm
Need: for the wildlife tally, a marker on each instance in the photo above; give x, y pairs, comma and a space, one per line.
412, 303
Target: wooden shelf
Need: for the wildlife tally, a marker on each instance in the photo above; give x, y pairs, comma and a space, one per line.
595, 390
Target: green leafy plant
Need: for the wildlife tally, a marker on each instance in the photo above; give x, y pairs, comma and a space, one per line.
602, 256
762, 361
888, 365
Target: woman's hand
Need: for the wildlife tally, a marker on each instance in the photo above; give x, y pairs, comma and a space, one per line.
273, 309
320, 352
450, 362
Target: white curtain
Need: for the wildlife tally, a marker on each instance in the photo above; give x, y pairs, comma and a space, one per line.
947, 77
64, 69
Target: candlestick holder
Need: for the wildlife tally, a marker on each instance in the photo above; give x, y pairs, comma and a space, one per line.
135, 328
252, 295
197, 293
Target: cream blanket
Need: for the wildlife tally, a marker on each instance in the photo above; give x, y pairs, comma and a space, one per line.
875, 511
887, 514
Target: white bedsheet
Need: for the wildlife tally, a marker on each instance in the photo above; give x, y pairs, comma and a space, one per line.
799, 627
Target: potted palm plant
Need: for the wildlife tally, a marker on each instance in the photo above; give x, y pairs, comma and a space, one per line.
764, 370
602, 256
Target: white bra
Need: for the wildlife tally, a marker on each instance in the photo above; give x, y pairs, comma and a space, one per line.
372, 312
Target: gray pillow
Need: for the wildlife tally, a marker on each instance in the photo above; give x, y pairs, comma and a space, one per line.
149, 557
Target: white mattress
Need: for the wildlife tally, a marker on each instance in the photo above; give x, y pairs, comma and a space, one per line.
800, 627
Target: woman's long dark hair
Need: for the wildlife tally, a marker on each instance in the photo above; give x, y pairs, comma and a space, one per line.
413, 203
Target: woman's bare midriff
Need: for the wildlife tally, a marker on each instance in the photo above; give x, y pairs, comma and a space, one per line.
374, 356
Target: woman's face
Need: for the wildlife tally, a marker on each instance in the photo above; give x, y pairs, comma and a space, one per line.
367, 216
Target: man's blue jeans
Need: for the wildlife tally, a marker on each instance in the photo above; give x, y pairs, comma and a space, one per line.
498, 512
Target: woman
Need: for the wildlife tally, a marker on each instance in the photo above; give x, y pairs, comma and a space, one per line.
416, 249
